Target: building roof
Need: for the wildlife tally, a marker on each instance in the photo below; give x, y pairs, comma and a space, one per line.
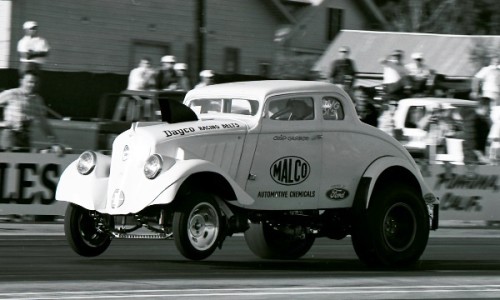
447, 54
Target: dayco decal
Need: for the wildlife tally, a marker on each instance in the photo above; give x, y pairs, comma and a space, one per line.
290, 170
181, 131
184, 131
337, 193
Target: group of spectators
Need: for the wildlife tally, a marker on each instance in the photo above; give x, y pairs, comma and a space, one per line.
399, 80
479, 126
22, 106
171, 75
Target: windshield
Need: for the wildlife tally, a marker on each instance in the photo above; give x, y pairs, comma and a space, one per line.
225, 106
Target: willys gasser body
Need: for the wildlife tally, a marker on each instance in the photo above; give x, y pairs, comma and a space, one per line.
284, 162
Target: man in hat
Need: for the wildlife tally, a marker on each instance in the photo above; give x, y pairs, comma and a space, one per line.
207, 78
395, 75
418, 72
32, 49
183, 82
166, 78
343, 70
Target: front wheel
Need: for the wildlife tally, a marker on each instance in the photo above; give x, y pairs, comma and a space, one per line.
197, 226
394, 230
83, 232
270, 243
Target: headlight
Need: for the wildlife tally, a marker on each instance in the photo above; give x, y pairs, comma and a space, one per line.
153, 166
86, 162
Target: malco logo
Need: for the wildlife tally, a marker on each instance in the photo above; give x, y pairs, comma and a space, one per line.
290, 170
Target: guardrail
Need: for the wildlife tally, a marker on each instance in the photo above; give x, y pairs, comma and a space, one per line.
28, 182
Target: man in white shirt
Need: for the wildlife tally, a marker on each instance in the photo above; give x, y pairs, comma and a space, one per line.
143, 77
395, 75
32, 49
418, 72
486, 82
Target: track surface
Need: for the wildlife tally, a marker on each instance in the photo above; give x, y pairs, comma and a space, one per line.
457, 264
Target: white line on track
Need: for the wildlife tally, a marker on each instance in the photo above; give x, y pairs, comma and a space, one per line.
224, 292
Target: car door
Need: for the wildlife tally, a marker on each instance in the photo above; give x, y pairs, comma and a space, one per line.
286, 168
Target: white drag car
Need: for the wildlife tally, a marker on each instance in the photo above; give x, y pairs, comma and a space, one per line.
284, 162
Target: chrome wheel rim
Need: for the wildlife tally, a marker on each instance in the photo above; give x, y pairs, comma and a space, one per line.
203, 226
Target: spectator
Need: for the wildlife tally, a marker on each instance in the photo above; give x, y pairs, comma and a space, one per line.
476, 127
395, 75
142, 77
207, 78
486, 82
418, 73
366, 110
442, 122
386, 118
166, 78
433, 85
343, 70
22, 107
183, 83
32, 49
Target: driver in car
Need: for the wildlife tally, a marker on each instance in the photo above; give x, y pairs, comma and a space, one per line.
299, 110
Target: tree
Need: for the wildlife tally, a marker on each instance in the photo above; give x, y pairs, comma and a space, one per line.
477, 17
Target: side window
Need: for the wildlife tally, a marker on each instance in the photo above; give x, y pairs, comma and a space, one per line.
415, 114
332, 109
292, 109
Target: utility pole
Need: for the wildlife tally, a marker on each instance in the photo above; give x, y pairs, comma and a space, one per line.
200, 34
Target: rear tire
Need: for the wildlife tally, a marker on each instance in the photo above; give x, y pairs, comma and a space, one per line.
268, 243
82, 233
394, 230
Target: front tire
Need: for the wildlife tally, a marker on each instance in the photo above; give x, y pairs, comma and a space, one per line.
197, 226
394, 230
269, 243
82, 234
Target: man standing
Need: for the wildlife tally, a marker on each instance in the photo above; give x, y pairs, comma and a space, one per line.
343, 70
143, 77
418, 72
486, 82
22, 107
206, 78
166, 78
395, 75
32, 49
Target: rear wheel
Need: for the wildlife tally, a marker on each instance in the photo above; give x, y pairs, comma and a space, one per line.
82, 231
197, 226
267, 242
394, 230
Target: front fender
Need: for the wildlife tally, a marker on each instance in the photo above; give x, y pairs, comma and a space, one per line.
184, 169
87, 191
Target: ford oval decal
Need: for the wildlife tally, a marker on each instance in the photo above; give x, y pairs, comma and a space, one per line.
337, 193
290, 170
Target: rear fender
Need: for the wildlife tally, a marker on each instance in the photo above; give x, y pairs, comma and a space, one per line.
392, 166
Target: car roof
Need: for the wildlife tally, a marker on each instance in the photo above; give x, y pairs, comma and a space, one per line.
436, 100
257, 90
